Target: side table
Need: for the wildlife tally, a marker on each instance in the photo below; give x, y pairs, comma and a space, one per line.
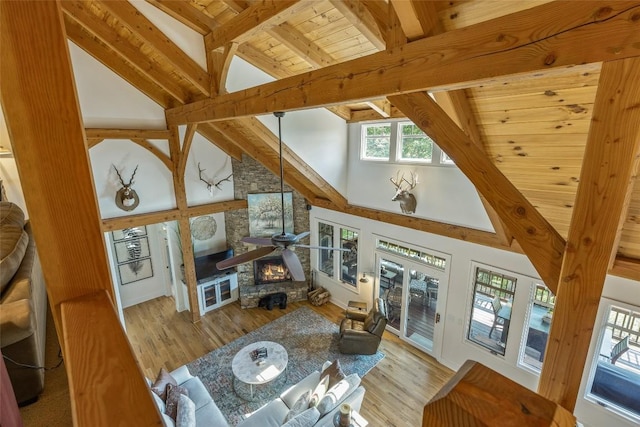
357, 420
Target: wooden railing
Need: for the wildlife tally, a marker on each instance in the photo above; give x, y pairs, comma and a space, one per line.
107, 387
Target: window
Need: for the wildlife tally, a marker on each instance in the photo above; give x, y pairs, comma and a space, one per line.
413, 143
325, 237
414, 254
399, 142
349, 267
376, 141
345, 263
536, 333
615, 379
491, 309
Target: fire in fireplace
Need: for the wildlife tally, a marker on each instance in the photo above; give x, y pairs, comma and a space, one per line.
270, 270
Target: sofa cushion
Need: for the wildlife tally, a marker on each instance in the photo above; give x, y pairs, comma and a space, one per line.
13, 244
334, 371
173, 396
270, 415
305, 419
210, 415
319, 392
293, 393
197, 392
301, 405
186, 412
159, 386
336, 394
17, 321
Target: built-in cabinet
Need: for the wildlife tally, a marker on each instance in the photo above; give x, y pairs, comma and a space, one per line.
218, 291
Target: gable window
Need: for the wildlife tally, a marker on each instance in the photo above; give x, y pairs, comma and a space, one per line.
492, 300
538, 323
413, 143
614, 382
376, 141
399, 142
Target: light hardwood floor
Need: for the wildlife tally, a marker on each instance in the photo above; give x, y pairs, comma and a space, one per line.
396, 389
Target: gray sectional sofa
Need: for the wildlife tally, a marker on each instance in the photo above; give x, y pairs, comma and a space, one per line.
271, 415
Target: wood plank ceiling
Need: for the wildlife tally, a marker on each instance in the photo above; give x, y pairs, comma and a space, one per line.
534, 130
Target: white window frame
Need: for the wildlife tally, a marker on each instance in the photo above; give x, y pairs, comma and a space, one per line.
337, 258
523, 344
607, 409
363, 141
400, 144
437, 155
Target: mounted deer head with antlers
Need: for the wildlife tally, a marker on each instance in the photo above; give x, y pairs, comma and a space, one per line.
406, 199
126, 197
212, 183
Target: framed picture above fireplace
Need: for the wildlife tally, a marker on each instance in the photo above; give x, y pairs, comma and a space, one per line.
265, 214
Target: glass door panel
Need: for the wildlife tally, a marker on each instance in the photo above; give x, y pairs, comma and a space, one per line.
390, 280
225, 290
421, 309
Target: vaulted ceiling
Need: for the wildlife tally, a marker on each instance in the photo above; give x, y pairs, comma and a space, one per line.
528, 111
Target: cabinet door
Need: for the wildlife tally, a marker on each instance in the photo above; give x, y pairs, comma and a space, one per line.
209, 296
225, 290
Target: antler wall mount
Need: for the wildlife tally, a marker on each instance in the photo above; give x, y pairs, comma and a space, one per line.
403, 195
211, 183
126, 198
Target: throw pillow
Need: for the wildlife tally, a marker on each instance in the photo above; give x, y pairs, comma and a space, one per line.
173, 395
336, 394
305, 419
319, 392
186, 416
159, 387
300, 406
334, 371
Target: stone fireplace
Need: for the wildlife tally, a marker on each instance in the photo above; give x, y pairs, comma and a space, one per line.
250, 176
270, 270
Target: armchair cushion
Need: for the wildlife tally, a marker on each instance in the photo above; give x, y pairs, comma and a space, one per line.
334, 372
336, 394
13, 244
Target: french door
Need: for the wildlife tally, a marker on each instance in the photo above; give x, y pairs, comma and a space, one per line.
415, 295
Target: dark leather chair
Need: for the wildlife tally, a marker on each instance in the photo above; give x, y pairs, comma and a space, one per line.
361, 333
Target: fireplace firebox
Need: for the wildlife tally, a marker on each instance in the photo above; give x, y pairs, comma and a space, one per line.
270, 270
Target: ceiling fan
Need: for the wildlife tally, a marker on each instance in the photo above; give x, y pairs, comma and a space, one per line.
280, 241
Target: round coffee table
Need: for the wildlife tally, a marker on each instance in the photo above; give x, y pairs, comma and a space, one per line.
260, 371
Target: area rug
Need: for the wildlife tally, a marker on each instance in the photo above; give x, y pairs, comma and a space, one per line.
309, 339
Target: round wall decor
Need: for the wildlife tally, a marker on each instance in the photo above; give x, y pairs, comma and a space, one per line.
203, 228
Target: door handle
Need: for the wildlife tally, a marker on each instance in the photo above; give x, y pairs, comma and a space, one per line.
437, 317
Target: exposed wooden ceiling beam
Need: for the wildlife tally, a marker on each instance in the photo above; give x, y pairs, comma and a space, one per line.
575, 38
105, 133
116, 63
540, 241
182, 11
132, 19
288, 35
610, 162
448, 230
220, 140
256, 18
89, 21
360, 17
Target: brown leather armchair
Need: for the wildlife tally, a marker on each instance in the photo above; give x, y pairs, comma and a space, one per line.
360, 333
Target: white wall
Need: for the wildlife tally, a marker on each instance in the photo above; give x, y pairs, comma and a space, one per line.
443, 193
318, 136
455, 348
9, 170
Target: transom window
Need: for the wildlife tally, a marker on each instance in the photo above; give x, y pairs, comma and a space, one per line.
414, 254
399, 142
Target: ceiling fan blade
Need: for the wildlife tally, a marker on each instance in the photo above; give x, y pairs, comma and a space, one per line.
293, 264
302, 235
260, 241
323, 247
246, 257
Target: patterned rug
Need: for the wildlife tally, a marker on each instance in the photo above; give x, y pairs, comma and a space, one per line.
309, 339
